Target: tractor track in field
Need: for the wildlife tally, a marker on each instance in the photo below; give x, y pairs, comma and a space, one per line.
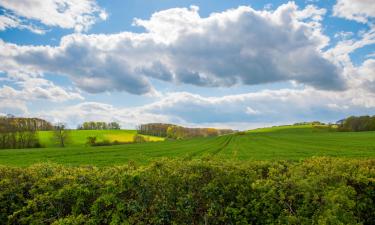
208, 148
226, 143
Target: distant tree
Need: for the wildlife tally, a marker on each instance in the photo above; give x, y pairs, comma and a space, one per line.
61, 134
17, 132
98, 125
360, 123
114, 126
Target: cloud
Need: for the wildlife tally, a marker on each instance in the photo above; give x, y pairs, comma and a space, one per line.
9, 21
95, 111
237, 46
344, 35
36, 88
13, 107
340, 53
241, 111
360, 11
27, 89
251, 111
366, 74
79, 15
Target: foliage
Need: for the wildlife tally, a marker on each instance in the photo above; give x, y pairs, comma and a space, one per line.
360, 123
91, 140
97, 125
61, 135
20, 132
139, 139
314, 191
179, 132
154, 129
309, 123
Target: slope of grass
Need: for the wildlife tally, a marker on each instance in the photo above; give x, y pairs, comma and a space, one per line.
79, 137
290, 143
111, 155
297, 142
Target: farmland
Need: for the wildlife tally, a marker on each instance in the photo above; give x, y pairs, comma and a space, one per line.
277, 143
79, 137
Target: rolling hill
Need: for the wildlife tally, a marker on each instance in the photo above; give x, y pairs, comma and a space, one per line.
276, 143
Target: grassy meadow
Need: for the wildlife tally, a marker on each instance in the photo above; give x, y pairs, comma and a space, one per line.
275, 143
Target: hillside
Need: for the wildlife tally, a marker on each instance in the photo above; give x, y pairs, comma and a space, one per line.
288, 142
79, 137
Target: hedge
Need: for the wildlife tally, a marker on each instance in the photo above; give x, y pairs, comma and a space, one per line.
313, 191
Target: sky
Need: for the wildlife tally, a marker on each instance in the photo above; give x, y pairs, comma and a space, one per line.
208, 63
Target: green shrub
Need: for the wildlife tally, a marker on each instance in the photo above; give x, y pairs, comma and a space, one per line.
139, 139
314, 191
91, 140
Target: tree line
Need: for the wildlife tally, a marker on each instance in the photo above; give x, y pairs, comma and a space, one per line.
18, 132
179, 132
357, 123
154, 129
98, 125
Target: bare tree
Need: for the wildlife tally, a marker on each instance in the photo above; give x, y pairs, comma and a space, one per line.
61, 134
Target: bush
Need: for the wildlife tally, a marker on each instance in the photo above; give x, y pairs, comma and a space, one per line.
139, 139
91, 141
314, 191
104, 143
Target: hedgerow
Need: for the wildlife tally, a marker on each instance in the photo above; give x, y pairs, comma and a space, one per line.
313, 191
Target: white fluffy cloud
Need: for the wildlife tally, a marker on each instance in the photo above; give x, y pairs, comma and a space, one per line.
358, 10
237, 46
366, 73
28, 89
69, 14
9, 21
94, 111
241, 111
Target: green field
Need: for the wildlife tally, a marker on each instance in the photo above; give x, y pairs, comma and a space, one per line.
287, 142
79, 137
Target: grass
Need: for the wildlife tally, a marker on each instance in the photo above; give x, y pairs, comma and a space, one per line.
276, 143
79, 137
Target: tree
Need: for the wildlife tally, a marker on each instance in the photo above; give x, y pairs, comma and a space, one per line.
114, 126
61, 134
361, 123
98, 125
18, 132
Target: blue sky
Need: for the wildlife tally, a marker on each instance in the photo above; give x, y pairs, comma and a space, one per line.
235, 64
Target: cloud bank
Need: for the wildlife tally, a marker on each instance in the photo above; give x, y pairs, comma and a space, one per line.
237, 46
241, 111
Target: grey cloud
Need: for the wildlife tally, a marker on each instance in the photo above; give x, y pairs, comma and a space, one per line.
238, 46
254, 50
